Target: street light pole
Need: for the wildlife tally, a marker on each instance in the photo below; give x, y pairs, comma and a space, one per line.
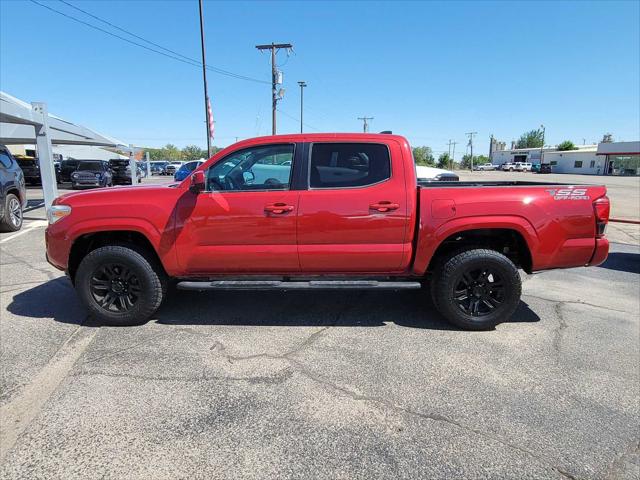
302, 85
204, 79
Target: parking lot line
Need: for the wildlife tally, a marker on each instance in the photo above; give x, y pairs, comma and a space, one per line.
18, 413
31, 226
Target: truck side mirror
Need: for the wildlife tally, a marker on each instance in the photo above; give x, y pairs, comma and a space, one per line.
197, 182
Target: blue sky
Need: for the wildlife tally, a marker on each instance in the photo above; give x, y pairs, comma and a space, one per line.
428, 70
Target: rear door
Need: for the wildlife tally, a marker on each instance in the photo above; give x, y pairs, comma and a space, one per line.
354, 215
245, 221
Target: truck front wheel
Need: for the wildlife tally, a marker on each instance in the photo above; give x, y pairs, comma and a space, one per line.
120, 285
476, 289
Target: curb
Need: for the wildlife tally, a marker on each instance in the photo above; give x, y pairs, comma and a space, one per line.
621, 220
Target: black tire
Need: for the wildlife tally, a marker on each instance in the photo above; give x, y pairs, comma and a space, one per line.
11, 220
121, 285
472, 300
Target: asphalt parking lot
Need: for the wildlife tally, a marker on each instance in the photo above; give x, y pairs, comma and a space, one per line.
322, 385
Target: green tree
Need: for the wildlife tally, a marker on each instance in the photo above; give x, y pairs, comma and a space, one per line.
566, 145
193, 152
423, 155
171, 152
531, 139
444, 161
466, 161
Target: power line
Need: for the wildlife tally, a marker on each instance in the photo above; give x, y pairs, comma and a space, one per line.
173, 55
297, 120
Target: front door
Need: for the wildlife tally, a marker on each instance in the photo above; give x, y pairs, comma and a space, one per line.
245, 220
354, 216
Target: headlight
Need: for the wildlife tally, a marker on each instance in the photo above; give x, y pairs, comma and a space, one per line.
97, 175
57, 212
74, 175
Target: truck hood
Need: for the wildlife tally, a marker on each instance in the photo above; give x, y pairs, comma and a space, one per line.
111, 193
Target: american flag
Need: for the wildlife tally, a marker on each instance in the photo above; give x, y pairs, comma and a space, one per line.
211, 124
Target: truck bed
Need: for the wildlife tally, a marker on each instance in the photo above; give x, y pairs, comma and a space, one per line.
488, 183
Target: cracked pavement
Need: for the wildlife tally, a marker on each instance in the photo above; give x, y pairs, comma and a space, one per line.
320, 384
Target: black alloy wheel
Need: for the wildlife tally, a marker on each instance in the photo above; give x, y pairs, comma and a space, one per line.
115, 287
479, 291
476, 289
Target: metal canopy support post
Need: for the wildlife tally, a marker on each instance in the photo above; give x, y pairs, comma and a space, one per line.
132, 165
146, 159
45, 155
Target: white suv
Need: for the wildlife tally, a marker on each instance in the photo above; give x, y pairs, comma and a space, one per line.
510, 167
523, 167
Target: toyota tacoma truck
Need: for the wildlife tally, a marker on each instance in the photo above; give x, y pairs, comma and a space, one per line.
322, 211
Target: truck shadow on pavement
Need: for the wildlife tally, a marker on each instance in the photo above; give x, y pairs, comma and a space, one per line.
57, 300
623, 262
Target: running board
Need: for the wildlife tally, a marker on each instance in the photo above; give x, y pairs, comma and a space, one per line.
310, 285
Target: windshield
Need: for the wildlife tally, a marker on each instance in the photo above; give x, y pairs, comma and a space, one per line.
90, 166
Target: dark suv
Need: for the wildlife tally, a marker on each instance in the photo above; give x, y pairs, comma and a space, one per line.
91, 173
13, 194
122, 172
31, 169
67, 167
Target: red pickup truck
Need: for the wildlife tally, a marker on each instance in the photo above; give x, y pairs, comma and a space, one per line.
322, 211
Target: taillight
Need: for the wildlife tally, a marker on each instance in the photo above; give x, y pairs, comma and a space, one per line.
601, 207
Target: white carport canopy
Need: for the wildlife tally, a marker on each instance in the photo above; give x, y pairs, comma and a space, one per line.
21, 123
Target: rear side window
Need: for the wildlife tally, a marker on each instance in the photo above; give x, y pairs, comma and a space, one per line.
5, 160
344, 165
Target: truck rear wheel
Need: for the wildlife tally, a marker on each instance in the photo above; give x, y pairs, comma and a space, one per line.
476, 289
120, 285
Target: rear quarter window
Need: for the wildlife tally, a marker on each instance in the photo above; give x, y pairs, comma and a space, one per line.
348, 165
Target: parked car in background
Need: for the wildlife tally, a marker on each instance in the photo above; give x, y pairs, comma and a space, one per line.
92, 174
159, 168
545, 168
67, 167
185, 170
432, 174
485, 167
172, 168
31, 169
508, 167
121, 172
13, 193
523, 167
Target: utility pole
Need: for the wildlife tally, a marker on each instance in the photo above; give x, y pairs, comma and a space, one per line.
302, 85
365, 126
471, 134
453, 155
491, 148
276, 78
207, 113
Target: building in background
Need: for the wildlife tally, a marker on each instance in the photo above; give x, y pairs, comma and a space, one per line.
605, 158
620, 158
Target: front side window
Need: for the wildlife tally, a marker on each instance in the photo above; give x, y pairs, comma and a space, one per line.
260, 168
344, 165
